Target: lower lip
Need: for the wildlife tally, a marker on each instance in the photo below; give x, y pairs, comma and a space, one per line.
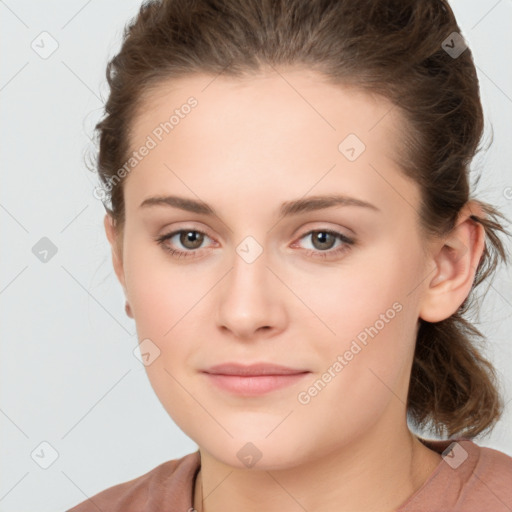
256, 384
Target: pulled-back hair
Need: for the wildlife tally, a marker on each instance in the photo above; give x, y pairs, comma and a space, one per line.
398, 49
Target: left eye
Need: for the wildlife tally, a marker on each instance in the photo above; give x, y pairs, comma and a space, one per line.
325, 237
192, 239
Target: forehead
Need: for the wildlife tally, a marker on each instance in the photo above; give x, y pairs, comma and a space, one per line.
284, 129
293, 97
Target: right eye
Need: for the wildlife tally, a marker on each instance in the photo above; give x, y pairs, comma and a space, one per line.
186, 236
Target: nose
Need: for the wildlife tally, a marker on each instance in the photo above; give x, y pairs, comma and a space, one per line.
250, 300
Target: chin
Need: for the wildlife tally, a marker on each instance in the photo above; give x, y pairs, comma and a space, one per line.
256, 452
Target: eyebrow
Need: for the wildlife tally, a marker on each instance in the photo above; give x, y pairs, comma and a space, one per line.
288, 208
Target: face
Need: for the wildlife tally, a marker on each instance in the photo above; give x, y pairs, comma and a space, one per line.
332, 291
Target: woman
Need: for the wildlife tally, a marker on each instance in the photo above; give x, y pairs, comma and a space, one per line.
291, 221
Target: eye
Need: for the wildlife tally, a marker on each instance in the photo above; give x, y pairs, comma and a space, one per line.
324, 239
191, 239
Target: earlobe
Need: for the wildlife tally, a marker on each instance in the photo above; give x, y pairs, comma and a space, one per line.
455, 263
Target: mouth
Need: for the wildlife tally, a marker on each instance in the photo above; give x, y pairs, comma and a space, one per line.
253, 380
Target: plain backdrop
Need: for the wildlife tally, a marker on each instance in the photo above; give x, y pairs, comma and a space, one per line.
74, 397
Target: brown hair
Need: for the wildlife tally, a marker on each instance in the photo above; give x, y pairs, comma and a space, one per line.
393, 48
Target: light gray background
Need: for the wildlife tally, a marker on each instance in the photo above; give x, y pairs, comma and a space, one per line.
68, 373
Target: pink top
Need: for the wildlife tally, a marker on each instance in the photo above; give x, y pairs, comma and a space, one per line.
470, 478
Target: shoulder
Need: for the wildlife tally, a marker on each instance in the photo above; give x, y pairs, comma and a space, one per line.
478, 463
487, 480
469, 478
494, 471
170, 482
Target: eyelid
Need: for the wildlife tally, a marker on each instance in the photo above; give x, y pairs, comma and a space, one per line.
337, 230
168, 232
205, 231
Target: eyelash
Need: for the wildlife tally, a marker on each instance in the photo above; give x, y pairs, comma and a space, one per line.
347, 243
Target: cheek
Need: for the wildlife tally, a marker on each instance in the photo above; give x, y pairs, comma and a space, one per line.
345, 300
160, 291
365, 369
368, 320
179, 395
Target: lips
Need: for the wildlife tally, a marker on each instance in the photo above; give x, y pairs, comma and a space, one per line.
253, 380
258, 369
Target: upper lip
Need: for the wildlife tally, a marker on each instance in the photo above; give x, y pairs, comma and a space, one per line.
253, 369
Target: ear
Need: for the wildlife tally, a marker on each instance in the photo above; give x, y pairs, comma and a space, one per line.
114, 239
455, 263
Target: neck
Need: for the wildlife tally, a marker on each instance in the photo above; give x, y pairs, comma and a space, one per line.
369, 475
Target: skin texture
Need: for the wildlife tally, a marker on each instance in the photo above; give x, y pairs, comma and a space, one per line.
248, 146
